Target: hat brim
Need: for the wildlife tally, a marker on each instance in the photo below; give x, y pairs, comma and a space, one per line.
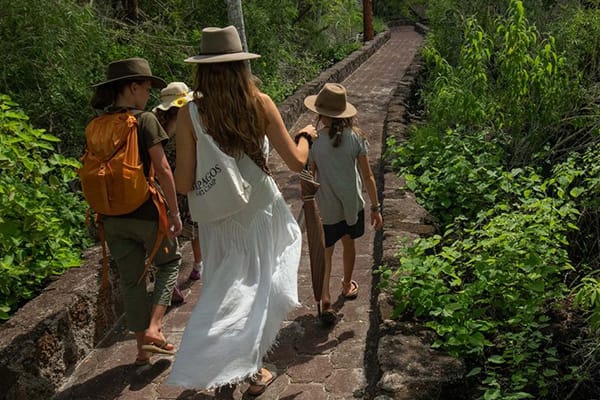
310, 103
220, 58
166, 105
157, 83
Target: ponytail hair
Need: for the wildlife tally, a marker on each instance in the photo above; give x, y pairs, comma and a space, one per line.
337, 128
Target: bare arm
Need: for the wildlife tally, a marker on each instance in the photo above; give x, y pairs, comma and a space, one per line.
369, 181
167, 184
295, 156
185, 150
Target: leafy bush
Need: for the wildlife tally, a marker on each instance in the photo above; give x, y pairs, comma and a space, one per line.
507, 78
577, 34
41, 219
50, 54
453, 173
506, 161
485, 288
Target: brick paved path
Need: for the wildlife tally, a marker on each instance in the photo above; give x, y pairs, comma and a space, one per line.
313, 362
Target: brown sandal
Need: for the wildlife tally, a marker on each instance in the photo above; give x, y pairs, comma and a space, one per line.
352, 292
327, 315
258, 385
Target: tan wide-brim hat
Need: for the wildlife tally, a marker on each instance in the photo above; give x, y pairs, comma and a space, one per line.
131, 69
176, 94
331, 102
220, 45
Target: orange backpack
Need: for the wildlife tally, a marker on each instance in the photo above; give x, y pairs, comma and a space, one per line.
112, 176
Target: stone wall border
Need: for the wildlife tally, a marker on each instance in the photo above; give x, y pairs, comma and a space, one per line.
407, 367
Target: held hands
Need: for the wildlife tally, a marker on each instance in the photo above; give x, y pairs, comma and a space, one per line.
309, 132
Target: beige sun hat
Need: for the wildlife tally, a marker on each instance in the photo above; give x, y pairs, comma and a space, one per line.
176, 94
220, 45
331, 102
129, 69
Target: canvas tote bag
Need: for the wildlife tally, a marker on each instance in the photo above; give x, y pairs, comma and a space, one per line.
219, 190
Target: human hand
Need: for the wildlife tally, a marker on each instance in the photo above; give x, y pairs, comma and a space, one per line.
175, 225
308, 132
311, 130
376, 220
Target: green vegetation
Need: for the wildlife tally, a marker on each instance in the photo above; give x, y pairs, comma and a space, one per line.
41, 219
507, 162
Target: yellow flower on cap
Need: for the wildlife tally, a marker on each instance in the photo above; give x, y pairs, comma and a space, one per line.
180, 102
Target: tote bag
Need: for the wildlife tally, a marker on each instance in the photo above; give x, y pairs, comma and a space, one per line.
219, 189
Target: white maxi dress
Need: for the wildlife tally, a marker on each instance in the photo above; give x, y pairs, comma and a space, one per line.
249, 285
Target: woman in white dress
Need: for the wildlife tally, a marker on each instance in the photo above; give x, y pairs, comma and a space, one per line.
251, 258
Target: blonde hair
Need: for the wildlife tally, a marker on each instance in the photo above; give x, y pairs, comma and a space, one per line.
231, 109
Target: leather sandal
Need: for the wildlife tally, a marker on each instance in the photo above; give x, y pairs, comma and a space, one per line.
352, 292
258, 385
327, 315
159, 348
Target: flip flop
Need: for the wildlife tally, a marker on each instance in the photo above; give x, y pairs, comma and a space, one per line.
259, 385
159, 348
353, 292
140, 362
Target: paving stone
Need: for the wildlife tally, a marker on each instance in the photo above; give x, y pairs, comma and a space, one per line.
310, 369
348, 354
304, 392
346, 381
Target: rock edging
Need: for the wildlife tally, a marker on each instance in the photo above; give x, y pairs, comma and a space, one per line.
408, 368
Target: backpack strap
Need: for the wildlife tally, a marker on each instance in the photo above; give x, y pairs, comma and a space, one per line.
163, 221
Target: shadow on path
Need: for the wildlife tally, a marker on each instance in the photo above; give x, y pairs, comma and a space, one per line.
109, 384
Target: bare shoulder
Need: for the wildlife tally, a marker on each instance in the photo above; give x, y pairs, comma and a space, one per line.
266, 101
184, 118
185, 110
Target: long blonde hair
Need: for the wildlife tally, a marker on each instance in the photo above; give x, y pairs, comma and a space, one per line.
231, 109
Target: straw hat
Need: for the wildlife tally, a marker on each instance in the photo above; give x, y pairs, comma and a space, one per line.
130, 69
331, 102
176, 94
220, 45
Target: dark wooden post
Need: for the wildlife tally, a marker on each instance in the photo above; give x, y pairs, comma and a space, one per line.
368, 33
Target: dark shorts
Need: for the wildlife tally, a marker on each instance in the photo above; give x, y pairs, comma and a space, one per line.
335, 232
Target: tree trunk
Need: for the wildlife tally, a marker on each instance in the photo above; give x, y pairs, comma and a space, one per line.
235, 15
368, 33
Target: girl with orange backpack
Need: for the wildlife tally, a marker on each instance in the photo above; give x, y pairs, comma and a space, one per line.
132, 229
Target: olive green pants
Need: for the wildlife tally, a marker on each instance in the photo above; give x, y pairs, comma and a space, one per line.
129, 241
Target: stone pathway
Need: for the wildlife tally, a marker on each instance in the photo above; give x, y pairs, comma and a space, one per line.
313, 362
